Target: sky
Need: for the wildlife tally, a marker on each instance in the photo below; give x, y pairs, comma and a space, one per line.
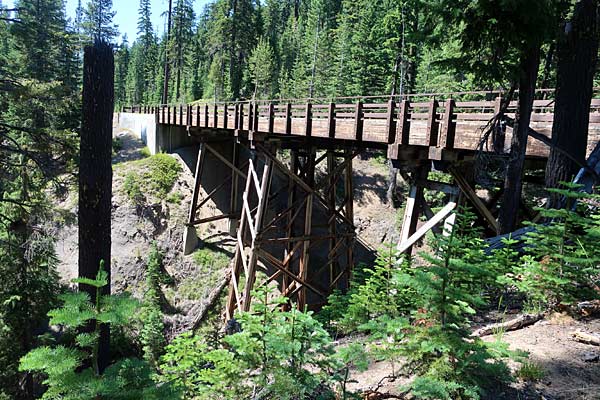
127, 13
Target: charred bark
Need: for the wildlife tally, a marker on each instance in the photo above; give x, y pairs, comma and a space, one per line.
513, 183
577, 59
95, 173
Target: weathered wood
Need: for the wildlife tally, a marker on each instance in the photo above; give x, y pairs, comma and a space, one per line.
586, 338
358, 121
405, 245
390, 121
271, 117
197, 183
447, 137
403, 133
331, 120
432, 124
308, 120
512, 325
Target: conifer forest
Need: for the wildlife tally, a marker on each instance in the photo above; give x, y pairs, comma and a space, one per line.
300, 199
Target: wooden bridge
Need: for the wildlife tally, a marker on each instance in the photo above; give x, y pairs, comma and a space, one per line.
287, 207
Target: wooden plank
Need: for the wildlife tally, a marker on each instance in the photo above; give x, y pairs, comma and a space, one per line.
206, 115
225, 112
472, 196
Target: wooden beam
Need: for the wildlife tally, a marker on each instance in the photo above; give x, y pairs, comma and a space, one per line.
475, 200
197, 182
308, 120
447, 137
405, 245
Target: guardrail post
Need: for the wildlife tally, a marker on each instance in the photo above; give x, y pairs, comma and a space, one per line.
447, 139
288, 119
271, 117
225, 116
331, 120
308, 119
432, 124
391, 123
358, 121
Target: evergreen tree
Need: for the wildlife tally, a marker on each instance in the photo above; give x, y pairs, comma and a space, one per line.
121, 72
261, 67
98, 21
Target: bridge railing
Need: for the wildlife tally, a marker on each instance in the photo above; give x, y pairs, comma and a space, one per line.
443, 121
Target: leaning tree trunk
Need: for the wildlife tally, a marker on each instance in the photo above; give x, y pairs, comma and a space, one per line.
95, 174
577, 58
513, 183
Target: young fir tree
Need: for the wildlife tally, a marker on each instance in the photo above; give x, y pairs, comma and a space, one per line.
122, 58
561, 265
72, 372
448, 291
261, 67
151, 334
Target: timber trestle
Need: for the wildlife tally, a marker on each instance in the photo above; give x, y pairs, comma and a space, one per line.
281, 172
291, 215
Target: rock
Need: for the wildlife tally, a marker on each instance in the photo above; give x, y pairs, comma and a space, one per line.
591, 357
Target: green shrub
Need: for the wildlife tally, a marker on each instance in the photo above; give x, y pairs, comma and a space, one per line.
117, 144
145, 152
133, 188
163, 173
209, 258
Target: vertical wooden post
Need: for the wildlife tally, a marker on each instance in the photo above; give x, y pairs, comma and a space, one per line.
447, 138
390, 122
251, 117
271, 117
206, 115
233, 200
288, 119
236, 116
95, 177
241, 115
181, 114
331, 120
190, 238
358, 121
198, 115
305, 255
413, 207
499, 137
308, 120
225, 116
168, 115
174, 115
349, 198
256, 116
432, 124
215, 116
331, 204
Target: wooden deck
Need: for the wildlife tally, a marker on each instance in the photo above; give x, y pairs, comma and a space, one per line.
440, 124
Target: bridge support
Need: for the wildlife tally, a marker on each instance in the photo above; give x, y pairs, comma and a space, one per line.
282, 226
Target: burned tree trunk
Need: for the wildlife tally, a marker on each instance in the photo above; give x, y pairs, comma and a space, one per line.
95, 173
513, 183
577, 59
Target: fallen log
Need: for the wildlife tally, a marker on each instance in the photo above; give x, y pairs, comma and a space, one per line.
586, 338
589, 308
512, 325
